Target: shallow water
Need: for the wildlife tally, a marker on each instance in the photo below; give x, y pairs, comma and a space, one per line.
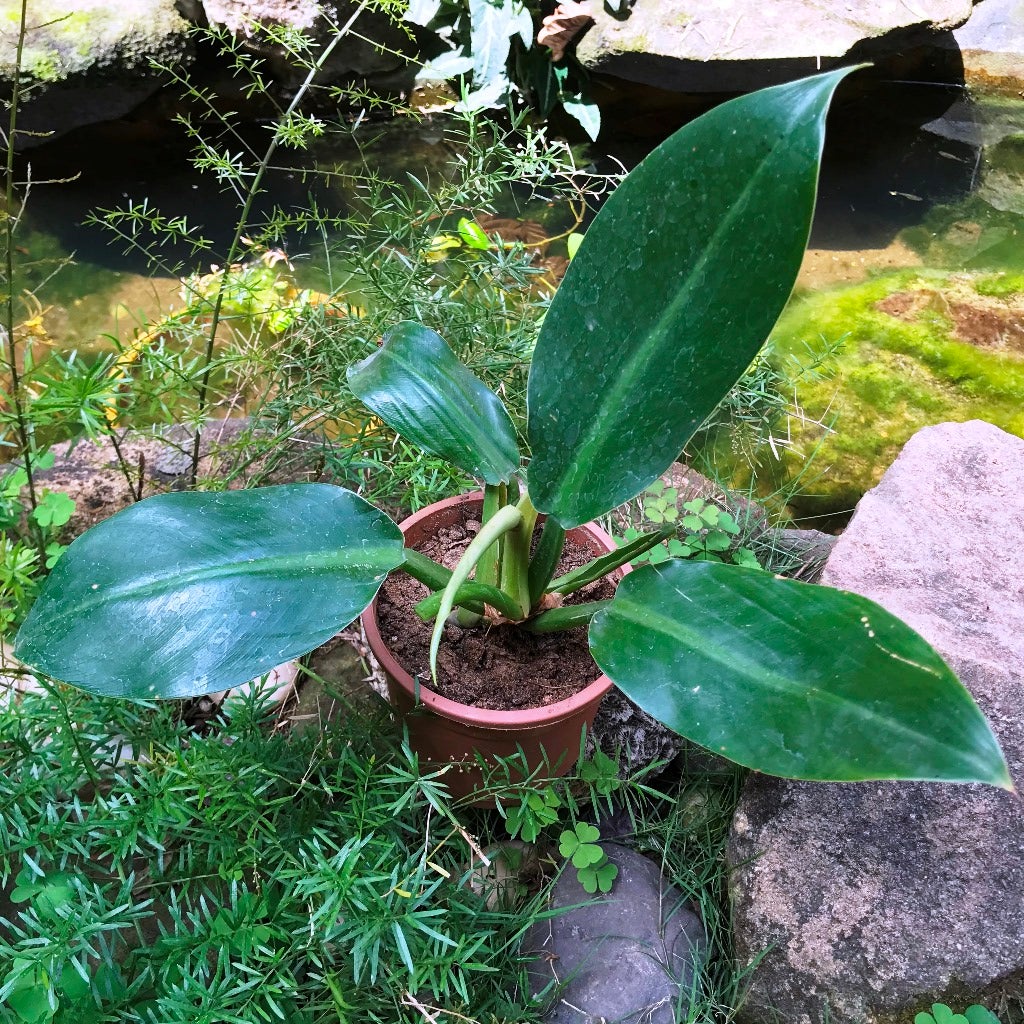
904, 161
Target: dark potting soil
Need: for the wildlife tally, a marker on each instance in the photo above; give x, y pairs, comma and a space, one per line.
496, 667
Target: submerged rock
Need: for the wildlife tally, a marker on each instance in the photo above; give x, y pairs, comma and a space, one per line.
874, 900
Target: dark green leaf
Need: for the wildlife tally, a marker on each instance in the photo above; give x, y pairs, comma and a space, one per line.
416, 385
188, 593
545, 559
791, 679
673, 291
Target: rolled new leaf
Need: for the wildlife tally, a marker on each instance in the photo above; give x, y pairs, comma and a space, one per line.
791, 679
415, 383
674, 289
185, 594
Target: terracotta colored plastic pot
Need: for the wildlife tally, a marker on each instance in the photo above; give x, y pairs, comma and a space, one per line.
443, 731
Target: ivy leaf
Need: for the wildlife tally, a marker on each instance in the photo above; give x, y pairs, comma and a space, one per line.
491, 26
422, 12
446, 65
587, 114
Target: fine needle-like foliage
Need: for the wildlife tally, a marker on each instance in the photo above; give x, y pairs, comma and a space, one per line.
668, 300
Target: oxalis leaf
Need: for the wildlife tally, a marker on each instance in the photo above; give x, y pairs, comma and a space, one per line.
206, 591
415, 383
791, 679
674, 289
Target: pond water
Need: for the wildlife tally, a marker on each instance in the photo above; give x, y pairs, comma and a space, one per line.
916, 174
903, 156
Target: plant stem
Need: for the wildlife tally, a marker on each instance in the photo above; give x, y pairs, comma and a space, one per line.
240, 228
25, 437
470, 595
507, 521
604, 564
559, 619
488, 568
515, 563
426, 570
87, 762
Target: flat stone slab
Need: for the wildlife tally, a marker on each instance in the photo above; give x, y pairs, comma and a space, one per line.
738, 45
627, 957
875, 900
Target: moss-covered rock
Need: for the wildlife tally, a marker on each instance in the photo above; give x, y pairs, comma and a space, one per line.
918, 348
85, 61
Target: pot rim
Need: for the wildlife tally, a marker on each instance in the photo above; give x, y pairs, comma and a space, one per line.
521, 718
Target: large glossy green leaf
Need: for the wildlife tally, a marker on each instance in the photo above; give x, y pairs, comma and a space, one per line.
416, 385
676, 286
791, 679
188, 593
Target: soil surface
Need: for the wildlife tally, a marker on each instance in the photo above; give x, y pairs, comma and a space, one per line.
495, 667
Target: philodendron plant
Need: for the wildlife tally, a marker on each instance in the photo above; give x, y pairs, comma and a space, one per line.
674, 290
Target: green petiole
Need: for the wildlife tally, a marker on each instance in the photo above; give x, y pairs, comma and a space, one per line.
506, 521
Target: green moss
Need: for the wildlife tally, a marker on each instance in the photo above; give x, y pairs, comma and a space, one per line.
971, 234
44, 66
633, 43
1000, 286
892, 376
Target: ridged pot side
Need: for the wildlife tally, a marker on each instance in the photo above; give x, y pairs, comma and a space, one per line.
443, 731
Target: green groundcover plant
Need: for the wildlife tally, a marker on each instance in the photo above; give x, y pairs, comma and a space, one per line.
668, 300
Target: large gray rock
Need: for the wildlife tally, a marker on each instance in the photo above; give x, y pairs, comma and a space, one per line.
373, 48
87, 61
628, 957
992, 45
876, 899
737, 45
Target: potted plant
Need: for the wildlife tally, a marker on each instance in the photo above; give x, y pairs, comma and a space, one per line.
674, 290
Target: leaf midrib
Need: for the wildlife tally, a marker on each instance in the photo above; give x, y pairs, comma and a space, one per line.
640, 356
168, 579
697, 640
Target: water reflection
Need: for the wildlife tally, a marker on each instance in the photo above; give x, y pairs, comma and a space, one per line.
913, 172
